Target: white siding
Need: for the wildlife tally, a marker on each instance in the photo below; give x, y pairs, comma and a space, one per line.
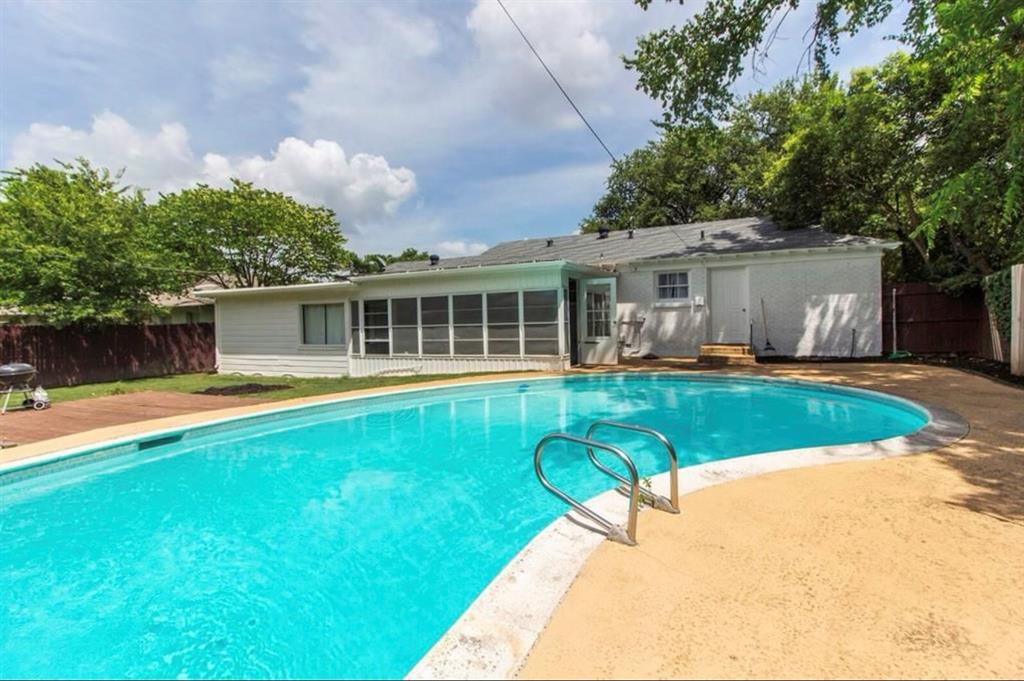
817, 305
264, 336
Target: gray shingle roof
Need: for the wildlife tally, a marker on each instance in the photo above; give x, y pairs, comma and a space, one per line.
743, 235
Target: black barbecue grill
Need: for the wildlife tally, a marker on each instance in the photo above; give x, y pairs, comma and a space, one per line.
17, 378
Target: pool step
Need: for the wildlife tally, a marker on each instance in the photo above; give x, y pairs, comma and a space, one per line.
724, 354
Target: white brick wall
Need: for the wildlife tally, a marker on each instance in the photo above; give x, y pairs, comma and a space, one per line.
813, 304
826, 307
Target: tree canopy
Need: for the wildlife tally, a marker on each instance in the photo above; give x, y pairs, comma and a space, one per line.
701, 171
79, 246
75, 246
372, 263
245, 236
926, 148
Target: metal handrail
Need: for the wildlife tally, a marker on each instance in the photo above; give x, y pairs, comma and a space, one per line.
671, 504
611, 530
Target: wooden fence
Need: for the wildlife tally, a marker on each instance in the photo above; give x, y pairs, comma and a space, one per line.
75, 355
929, 321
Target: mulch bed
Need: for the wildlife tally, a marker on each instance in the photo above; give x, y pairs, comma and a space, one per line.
976, 365
242, 389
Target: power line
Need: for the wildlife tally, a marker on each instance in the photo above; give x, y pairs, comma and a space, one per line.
555, 80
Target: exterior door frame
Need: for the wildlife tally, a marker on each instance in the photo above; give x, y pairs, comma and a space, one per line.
737, 335
599, 349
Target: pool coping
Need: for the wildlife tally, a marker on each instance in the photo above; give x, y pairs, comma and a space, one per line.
495, 634
58, 449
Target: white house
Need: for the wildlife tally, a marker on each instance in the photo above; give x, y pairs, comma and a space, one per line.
580, 299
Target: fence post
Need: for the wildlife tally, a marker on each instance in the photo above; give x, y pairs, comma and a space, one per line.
1017, 320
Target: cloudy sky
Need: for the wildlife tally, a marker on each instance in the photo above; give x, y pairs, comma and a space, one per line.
424, 124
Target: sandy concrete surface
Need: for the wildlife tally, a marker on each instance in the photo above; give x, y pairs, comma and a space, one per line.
905, 567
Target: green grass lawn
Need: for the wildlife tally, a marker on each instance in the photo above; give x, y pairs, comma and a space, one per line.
190, 383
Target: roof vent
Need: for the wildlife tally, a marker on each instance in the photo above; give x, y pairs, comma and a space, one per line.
551, 242
602, 232
434, 259
631, 233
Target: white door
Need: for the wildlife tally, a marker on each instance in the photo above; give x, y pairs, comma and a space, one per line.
600, 340
729, 319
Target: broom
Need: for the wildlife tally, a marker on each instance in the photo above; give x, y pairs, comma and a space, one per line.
768, 347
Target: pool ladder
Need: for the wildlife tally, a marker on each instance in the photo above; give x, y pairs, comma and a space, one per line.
631, 485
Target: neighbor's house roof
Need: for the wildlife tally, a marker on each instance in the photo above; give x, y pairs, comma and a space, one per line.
721, 237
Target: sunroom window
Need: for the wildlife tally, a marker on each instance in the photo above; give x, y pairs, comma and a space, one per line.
375, 326
404, 327
503, 323
468, 324
434, 318
540, 322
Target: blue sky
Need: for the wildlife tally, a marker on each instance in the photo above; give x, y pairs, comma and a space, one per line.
424, 124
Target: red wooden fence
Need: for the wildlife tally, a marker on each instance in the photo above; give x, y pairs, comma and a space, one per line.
74, 355
929, 321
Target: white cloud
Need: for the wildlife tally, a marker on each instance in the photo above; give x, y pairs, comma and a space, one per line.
360, 188
162, 161
451, 249
570, 37
426, 86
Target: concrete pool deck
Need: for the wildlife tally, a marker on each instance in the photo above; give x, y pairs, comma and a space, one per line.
901, 567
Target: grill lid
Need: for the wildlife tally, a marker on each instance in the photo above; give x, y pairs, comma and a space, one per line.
16, 372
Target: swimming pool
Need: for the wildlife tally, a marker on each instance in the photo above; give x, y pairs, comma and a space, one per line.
344, 539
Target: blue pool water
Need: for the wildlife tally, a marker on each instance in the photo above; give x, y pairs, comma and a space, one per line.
343, 540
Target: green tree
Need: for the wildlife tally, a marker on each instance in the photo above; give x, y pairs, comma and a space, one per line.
77, 247
869, 158
373, 263
691, 68
700, 171
928, 148
245, 236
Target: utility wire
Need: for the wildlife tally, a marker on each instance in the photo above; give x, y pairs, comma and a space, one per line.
643, 187
555, 80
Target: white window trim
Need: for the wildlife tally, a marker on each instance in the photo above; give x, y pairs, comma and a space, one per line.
673, 302
419, 313
303, 345
392, 326
363, 328
523, 324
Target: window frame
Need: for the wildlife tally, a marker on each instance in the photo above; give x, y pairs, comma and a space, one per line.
556, 322
358, 331
668, 302
518, 324
417, 326
303, 341
366, 328
448, 325
482, 324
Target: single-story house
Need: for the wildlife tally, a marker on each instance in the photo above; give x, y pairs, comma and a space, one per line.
562, 301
